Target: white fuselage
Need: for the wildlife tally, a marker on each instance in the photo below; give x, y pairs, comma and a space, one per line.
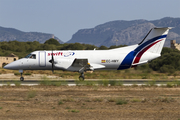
98, 59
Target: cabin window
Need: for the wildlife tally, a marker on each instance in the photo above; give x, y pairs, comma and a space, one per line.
14, 59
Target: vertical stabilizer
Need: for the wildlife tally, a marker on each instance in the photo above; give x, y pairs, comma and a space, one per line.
151, 46
148, 49
154, 41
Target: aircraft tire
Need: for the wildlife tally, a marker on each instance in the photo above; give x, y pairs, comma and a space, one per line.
21, 78
81, 78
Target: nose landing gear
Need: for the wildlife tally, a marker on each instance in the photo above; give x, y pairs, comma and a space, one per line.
21, 78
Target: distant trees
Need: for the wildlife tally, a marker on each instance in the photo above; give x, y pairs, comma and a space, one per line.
169, 62
73, 46
103, 47
52, 41
21, 49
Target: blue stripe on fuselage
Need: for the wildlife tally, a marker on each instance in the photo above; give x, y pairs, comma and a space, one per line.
126, 63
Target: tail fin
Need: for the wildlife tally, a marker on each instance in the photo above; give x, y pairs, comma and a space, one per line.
152, 45
149, 49
154, 40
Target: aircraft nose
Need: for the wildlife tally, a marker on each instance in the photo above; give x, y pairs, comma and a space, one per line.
7, 66
12, 65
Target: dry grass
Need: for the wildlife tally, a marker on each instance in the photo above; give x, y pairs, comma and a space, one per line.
83, 102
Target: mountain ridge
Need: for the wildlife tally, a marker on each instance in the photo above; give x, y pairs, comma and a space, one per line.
122, 32
11, 34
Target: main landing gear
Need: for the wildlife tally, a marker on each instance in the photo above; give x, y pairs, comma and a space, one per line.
81, 77
21, 78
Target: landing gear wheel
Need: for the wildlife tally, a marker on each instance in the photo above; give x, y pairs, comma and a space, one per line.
81, 78
21, 78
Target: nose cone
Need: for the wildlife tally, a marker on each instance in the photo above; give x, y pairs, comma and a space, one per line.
12, 66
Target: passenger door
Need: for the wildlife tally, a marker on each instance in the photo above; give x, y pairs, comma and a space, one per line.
42, 59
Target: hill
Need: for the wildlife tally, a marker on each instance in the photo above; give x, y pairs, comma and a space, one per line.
11, 34
123, 32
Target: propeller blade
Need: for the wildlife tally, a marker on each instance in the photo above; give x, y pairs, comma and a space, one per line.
52, 62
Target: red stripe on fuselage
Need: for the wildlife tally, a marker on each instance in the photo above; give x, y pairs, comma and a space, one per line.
138, 57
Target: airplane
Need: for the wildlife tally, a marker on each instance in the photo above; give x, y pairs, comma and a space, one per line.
89, 60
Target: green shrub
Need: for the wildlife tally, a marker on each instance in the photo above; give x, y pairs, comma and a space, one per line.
45, 81
27, 73
135, 85
89, 83
49, 83
120, 83
112, 82
151, 83
68, 108
111, 100
170, 84
56, 83
121, 102
178, 83
31, 94
77, 82
136, 100
144, 77
168, 62
97, 99
17, 83
105, 82
74, 111
167, 69
8, 83
17, 73
68, 100
60, 102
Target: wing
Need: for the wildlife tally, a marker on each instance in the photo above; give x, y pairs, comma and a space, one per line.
85, 66
83, 63
80, 62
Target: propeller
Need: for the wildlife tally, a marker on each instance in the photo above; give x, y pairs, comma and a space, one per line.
52, 61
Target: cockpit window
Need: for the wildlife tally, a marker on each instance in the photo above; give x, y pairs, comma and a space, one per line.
28, 56
32, 56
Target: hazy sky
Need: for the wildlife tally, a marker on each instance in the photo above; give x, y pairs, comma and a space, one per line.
65, 17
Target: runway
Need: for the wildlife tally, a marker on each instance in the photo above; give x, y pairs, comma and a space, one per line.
71, 82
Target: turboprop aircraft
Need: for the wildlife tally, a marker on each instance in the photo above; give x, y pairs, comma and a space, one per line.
89, 60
